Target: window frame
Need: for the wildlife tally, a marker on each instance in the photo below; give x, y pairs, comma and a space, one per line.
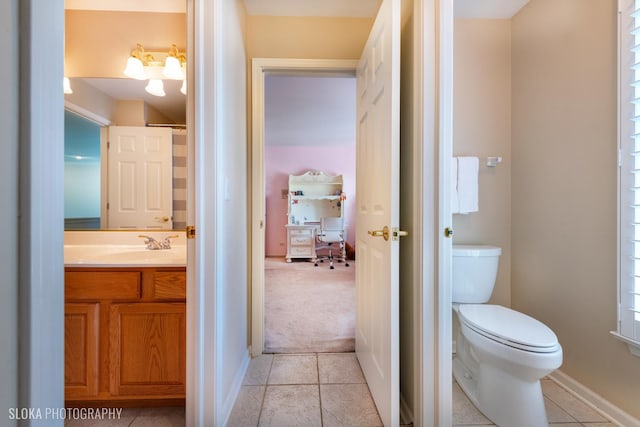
626, 143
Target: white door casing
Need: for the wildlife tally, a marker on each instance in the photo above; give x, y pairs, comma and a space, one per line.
140, 178
377, 168
261, 67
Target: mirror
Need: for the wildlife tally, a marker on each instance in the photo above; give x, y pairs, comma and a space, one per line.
88, 178
102, 96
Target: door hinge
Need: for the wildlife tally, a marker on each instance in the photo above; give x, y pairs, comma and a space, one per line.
191, 232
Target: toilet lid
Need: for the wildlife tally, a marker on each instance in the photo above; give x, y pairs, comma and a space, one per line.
509, 327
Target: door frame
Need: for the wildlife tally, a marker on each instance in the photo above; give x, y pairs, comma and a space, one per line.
39, 331
260, 68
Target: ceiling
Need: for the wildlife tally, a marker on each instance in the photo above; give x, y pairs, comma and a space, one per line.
351, 8
487, 9
310, 110
166, 6
173, 105
497, 9
343, 8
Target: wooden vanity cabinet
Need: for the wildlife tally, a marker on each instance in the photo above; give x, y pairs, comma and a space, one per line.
125, 336
81, 344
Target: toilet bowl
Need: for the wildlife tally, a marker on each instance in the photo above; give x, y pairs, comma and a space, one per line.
501, 354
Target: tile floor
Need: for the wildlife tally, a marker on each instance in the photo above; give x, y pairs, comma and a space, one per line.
323, 389
138, 417
563, 409
328, 389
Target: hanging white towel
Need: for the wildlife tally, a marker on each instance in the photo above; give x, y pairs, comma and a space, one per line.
468, 184
455, 204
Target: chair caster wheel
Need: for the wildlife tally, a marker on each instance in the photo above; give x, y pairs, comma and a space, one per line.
315, 265
331, 268
346, 264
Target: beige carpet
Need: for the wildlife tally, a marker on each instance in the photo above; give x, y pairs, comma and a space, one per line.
309, 309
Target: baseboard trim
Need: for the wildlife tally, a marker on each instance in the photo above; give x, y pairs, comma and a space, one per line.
595, 401
406, 416
235, 388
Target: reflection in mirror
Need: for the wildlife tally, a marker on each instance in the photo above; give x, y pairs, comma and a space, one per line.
81, 173
88, 178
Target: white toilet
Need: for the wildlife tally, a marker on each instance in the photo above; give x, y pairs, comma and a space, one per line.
501, 354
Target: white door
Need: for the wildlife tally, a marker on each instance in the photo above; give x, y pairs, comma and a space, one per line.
140, 178
377, 165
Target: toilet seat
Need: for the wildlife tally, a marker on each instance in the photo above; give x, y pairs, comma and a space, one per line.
509, 327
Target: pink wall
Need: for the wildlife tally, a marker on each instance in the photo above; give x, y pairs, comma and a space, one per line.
284, 160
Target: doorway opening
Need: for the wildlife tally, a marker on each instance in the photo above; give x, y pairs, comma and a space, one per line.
153, 128
291, 137
310, 172
310, 142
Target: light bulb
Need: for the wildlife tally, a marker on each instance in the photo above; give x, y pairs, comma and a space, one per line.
155, 87
66, 85
183, 89
172, 69
135, 69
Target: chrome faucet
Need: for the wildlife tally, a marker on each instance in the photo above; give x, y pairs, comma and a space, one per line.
154, 244
151, 243
166, 243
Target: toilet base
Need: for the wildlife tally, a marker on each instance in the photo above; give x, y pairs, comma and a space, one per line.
504, 399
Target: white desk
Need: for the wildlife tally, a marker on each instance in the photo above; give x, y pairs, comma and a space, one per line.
301, 241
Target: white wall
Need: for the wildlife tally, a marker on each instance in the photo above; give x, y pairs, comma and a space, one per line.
9, 212
564, 188
231, 194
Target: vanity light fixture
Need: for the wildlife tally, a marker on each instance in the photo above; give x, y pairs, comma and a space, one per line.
155, 67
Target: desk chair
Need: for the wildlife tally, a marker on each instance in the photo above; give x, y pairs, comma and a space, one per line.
331, 232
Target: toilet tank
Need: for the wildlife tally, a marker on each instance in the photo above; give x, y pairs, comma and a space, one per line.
474, 272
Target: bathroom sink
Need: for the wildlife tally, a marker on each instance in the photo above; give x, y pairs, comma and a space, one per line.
123, 255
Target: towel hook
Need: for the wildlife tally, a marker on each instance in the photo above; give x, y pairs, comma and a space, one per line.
492, 162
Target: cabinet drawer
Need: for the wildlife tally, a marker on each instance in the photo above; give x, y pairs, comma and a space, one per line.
169, 285
307, 232
119, 285
300, 251
300, 240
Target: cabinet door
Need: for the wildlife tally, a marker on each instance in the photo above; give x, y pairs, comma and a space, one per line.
147, 354
81, 341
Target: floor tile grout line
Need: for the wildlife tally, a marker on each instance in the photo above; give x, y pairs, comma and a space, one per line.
264, 394
319, 392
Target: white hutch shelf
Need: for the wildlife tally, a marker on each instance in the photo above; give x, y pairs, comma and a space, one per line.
312, 196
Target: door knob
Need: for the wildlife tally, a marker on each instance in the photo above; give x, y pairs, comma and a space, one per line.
384, 233
448, 232
162, 218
